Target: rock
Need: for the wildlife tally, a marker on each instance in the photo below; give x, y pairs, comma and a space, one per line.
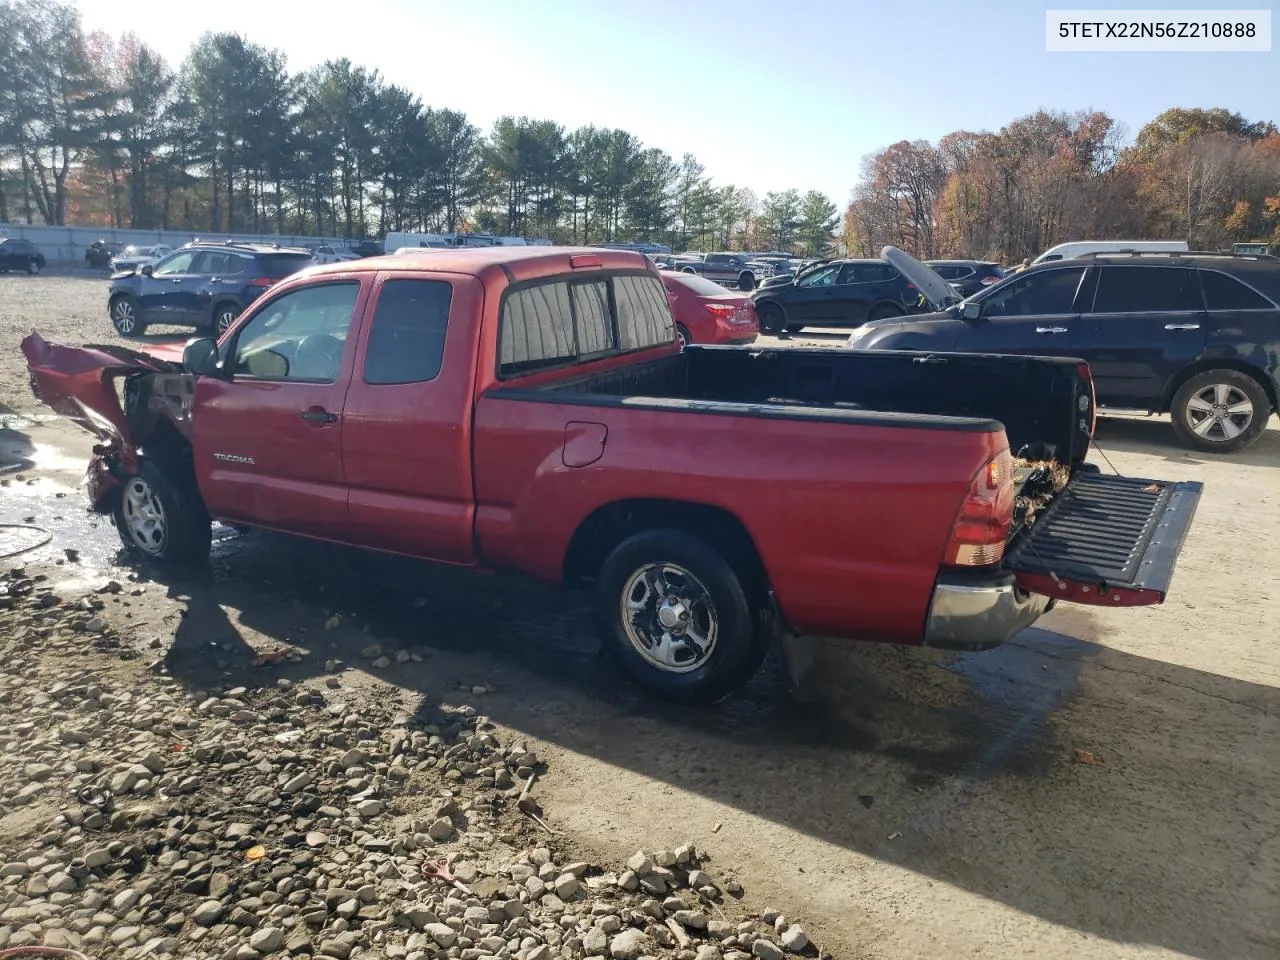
15, 869
693, 919
540, 952
267, 939
297, 783
61, 883
368, 809
38, 772
766, 950
567, 885
627, 945
372, 652
640, 864
207, 914
125, 900
381, 663
595, 942
794, 939
442, 934
97, 858
420, 915
708, 951
441, 830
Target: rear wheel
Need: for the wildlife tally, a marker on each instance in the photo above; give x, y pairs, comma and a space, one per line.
673, 613
771, 317
33, 267
125, 317
683, 335
1219, 411
224, 315
883, 313
746, 280
160, 519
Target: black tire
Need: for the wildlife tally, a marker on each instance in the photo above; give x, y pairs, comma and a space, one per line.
746, 280
125, 316
1202, 411
772, 319
689, 270
223, 315
184, 533
33, 267
794, 327
884, 312
738, 644
683, 334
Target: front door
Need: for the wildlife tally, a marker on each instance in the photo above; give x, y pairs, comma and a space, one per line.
1032, 315
1146, 324
813, 296
268, 432
161, 295
406, 446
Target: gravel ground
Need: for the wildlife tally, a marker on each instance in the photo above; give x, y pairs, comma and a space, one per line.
1106, 785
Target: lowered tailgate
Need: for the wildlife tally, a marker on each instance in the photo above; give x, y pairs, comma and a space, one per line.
1106, 540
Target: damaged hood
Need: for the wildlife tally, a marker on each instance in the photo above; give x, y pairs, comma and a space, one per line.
80, 382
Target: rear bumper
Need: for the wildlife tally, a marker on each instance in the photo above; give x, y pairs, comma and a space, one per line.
977, 613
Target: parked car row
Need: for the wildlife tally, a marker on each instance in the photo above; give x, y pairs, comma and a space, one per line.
1193, 335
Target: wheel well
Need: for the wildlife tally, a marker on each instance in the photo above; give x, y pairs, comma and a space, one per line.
224, 303
609, 525
893, 305
1224, 363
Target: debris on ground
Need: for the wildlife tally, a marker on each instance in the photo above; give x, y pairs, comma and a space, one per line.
147, 819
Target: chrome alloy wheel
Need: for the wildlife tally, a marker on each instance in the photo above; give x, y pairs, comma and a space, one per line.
669, 617
1219, 412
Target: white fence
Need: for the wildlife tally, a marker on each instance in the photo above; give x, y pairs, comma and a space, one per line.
68, 244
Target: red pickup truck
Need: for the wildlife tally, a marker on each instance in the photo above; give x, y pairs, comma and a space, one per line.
530, 410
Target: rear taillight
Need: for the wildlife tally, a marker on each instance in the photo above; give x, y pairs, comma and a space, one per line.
721, 309
982, 527
263, 282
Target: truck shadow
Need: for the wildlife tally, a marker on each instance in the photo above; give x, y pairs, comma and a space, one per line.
1154, 436
1095, 789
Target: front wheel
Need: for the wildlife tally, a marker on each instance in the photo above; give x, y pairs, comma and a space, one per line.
673, 614
33, 267
159, 519
1219, 411
224, 315
125, 317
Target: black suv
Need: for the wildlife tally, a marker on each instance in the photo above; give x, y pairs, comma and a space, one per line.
841, 293
202, 285
1193, 335
969, 276
19, 254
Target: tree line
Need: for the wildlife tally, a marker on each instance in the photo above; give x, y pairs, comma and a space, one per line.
95, 129
1209, 177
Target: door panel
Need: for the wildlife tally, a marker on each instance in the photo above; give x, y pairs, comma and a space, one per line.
162, 296
1033, 315
1147, 324
268, 437
406, 439
811, 300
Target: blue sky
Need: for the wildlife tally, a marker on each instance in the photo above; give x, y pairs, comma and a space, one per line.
767, 94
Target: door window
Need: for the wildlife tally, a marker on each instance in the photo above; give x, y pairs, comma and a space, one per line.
1146, 290
406, 342
179, 263
300, 335
825, 277
1222, 292
1036, 294
217, 263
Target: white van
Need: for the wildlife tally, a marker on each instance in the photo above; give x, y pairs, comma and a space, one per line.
1069, 251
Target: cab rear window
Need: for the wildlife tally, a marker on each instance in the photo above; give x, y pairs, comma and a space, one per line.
562, 321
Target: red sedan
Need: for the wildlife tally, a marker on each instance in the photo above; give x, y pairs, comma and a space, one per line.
706, 312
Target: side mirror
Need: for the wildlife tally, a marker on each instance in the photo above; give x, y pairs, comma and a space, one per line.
145, 270
201, 357
971, 311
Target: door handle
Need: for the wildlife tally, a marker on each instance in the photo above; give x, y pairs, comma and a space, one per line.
319, 417
1182, 326
1051, 329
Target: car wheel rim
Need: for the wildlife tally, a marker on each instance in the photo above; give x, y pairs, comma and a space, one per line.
125, 320
669, 617
144, 517
1219, 412
225, 319
682, 339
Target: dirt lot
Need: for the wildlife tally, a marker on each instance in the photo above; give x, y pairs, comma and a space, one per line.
1108, 785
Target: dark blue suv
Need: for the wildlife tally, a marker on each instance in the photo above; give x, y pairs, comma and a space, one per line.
202, 285
837, 293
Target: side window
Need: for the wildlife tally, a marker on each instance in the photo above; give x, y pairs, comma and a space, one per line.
1146, 290
591, 317
820, 278
1222, 292
300, 335
216, 263
644, 315
537, 329
1043, 292
406, 341
945, 271
177, 264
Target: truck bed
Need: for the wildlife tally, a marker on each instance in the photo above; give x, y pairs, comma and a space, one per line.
1036, 399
